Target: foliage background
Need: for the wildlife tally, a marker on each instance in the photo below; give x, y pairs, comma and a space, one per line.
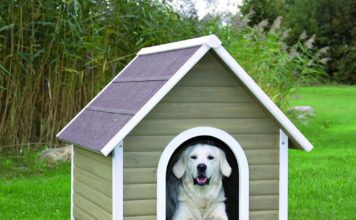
331, 24
57, 55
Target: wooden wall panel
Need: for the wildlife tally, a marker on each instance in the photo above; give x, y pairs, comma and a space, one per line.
92, 185
207, 96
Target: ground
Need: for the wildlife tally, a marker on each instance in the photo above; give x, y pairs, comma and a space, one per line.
30, 189
321, 183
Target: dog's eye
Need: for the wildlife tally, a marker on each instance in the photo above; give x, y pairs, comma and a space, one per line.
210, 158
193, 157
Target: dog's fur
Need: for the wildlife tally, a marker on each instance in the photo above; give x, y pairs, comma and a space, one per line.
200, 192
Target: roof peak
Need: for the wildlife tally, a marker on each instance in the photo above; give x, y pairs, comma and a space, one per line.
210, 40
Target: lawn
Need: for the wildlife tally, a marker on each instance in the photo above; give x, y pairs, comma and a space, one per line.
30, 189
322, 183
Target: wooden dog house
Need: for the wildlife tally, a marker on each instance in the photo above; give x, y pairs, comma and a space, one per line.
124, 138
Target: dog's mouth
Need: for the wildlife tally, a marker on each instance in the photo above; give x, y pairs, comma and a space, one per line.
201, 181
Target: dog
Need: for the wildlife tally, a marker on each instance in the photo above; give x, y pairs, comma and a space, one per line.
200, 192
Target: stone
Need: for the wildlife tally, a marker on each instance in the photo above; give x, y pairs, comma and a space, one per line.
302, 112
54, 155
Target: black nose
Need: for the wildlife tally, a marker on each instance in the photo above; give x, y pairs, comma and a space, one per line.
201, 167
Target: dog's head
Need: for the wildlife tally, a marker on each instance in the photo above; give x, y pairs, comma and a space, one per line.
202, 163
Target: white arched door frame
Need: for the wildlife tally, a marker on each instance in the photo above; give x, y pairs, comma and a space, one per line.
196, 132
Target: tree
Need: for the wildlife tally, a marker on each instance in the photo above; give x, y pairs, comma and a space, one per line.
263, 10
334, 23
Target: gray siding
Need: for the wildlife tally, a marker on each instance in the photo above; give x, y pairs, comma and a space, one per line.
92, 185
207, 96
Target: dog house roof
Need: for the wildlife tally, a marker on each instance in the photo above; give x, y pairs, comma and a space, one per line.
136, 90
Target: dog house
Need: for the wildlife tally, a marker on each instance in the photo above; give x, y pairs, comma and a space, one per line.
125, 138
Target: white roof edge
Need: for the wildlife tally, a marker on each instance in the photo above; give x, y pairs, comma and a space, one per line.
286, 124
168, 86
211, 40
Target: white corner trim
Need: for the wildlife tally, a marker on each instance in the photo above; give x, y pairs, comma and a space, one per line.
210, 40
264, 99
155, 99
117, 183
71, 121
283, 176
204, 131
72, 183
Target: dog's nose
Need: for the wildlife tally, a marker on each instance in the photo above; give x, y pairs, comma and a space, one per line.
201, 167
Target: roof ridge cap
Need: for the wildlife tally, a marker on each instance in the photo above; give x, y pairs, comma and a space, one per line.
210, 40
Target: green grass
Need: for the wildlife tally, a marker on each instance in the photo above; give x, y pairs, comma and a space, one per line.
322, 182
31, 189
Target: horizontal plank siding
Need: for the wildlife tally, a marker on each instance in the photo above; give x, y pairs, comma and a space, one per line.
150, 159
208, 96
158, 143
264, 172
92, 197
183, 94
93, 156
148, 175
140, 191
91, 208
94, 167
148, 191
257, 141
264, 215
140, 175
91, 194
139, 208
264, 187
151, 217
208, 72
266, 202
81, 214
206, 111
232, 126
95, 182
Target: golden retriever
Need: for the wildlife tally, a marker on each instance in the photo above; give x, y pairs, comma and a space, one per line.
200, 193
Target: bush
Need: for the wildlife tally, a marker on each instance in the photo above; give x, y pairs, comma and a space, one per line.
260, 50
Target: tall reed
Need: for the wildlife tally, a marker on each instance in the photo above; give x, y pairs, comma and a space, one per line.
56, 55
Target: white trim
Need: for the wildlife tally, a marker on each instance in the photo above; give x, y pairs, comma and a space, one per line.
155, 99
117, 183
283, 176
210, 40
71, 121
72, 183
264, 99
204, 131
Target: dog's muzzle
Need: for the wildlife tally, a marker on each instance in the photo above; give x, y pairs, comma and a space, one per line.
201, 180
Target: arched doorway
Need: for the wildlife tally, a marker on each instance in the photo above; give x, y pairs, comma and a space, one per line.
205, 134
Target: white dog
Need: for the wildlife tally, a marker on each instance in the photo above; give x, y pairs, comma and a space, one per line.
201, 195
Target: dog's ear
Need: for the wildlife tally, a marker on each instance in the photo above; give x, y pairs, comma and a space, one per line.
224, 165
179, 167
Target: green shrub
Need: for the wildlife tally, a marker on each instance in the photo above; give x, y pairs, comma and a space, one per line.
276, 67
